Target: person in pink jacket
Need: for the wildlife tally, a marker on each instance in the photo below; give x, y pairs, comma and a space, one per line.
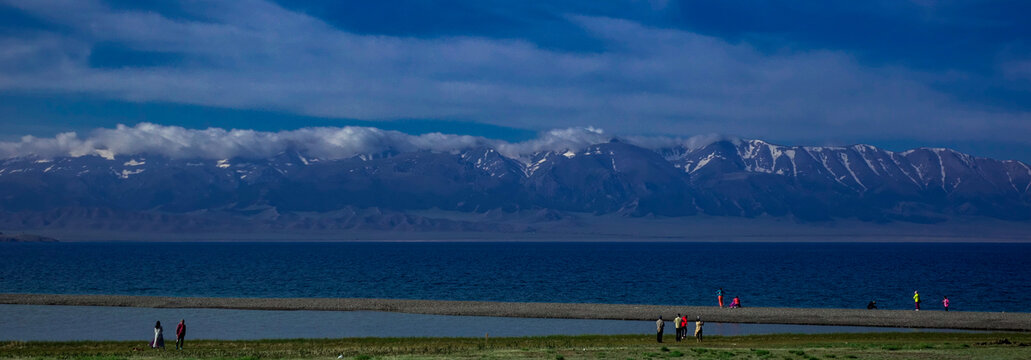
180, 334
945, 303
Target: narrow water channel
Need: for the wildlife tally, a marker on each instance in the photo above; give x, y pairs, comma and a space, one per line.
63, 323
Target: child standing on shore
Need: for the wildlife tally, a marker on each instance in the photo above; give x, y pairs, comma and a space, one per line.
719, 296
916, 299
945, 302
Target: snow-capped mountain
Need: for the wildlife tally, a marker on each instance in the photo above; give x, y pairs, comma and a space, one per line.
860, 180
724, 178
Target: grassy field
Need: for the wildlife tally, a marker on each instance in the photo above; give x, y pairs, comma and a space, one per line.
782, 346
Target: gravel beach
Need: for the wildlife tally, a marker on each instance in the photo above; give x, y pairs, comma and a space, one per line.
991, 321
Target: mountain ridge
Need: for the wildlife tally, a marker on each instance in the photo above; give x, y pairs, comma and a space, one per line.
297, 190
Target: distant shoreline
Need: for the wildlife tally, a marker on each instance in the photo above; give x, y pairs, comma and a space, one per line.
988, 321
534, 238
587, 227
25, 238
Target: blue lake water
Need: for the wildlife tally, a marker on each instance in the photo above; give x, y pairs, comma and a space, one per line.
64, 323
976, 277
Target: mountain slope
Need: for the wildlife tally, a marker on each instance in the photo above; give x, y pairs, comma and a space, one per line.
295, 190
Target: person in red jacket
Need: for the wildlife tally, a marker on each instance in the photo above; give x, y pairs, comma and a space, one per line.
683, 327
180, 334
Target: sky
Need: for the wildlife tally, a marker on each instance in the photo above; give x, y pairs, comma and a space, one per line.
896, 74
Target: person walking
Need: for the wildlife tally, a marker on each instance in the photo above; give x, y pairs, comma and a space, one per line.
698, 329
159, 337
683, 327
180, 334
659, 326
676, 327
945, 302
719, 296
916, 299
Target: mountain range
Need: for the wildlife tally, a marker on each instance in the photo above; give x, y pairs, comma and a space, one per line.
491, 192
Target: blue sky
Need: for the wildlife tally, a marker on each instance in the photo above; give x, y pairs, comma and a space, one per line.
896, 74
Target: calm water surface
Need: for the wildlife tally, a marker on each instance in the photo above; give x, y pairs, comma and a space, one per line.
63, 323
983, 277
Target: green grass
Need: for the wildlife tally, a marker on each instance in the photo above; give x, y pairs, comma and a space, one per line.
782, 346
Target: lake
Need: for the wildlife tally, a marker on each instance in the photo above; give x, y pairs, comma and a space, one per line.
976, 277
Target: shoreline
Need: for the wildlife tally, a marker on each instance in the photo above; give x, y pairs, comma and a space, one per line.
782, 346
960, 320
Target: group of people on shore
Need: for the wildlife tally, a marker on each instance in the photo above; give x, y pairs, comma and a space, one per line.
872, 305
734, 304
680, 324
159, 336
916, 301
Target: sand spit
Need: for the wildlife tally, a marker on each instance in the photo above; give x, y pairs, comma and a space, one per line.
992, 321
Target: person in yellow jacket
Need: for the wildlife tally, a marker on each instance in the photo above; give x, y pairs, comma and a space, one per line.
676, 326
698, 329
916, 300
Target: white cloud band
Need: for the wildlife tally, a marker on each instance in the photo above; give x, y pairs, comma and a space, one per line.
647, 80
324, 142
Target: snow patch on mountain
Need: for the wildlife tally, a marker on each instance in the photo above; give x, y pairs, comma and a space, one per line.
126, 173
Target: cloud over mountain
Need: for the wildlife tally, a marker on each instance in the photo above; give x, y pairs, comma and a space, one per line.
325, 142
641, 78
345, 178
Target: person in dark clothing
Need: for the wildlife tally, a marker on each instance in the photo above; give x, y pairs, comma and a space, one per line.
872, 305
180, 334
